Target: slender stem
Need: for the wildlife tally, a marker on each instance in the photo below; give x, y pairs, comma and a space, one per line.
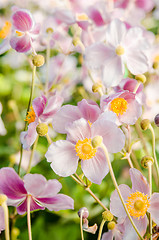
118, 190
32, 154
129, 161
101, 229
153, 149
140, 134
136, 87
82, 236
28, 217
29, 105
150, 193
48, 138
6, 219
47, 63
76, 180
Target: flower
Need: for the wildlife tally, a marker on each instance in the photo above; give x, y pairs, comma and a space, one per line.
138, 203
124, 104
25, 29
115, 231
123, 46
43, 193
65, 154
42, 110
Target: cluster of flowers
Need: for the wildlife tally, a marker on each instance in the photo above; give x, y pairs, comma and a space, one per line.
115, 54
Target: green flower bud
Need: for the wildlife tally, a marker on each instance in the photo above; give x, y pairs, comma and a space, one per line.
111, 225
96, 141
146, 160
38, 60
107, 216
145, 123
42, 129
96, 87
49, 30
141, 78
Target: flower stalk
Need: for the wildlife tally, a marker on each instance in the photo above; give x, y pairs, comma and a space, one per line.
28, 217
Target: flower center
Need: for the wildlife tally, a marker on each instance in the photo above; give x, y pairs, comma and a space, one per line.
19, 34
119, 50
30, 116
137, 204
5, 30
118, 105
84, 149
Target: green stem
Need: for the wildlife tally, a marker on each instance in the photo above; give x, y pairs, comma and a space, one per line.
48, 138
32, 154
47, 63
101, 229
118, 190
82, 236
6, 220
150, 193
28, 217
29, 105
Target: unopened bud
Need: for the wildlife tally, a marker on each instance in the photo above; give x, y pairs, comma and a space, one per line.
38, 60
96, 141
49, 30
76, 41
3, 198
84, 212
96, 87
141, 78
111, 225
146, 160
42, 129
107, 216
145, 123
156, 120
155, 65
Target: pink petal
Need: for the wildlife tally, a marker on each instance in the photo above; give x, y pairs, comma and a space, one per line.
78, 130
115, 32
36, 29
39, 104
22, 208
62, 154
96, 16
96, 168
22, 20
28, 137
11, 184
4, 46
154, 207
139, 182
107, 236
64, 16
59, 202
116, 206
2, 224
21, 44
66, 114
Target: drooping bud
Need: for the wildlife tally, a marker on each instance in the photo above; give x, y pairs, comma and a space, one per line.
38, 60
96, 87
84, 212
146, 160
111, 225
107, 216
156, 120
96, 141
145, 123
3, 198
42, 129
141, 78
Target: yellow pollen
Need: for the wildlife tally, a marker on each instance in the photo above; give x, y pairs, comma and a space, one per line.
4, 32
81, 17
137, 204
19, 33
84, 149
118, 105
30, 116
90, 124
156, 58
119, 50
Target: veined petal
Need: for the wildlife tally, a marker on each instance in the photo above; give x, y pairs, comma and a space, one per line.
22, 20
39, 104
96, 168
34, 183
27, 138
21, 44
154, 207
11, 184
22, 208
62, 154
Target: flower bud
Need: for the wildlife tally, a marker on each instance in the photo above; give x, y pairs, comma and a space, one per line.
119, 50
107, 216
96, 87
141, 78
76, 41
84, 212
42, 129
3, 198
49, 30
111, 225
156, 120
146, 160
145, 123
38, 60
155, 65
96, 141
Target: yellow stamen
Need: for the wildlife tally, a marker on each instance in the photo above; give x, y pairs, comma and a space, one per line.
84, 149
81, 17
119, 50
118, 105
4, 32
19, 33
90, 124
137, 204
156, 58
30, 116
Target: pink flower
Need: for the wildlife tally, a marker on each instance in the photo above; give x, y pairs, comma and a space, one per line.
138, 203
124, 104
25, 29
116, 233
42, 110
44, 194
65, 154
122, 47
67, 114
